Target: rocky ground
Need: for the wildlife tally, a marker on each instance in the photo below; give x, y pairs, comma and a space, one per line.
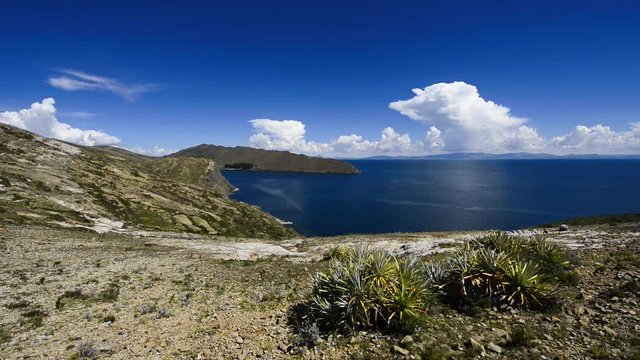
73, 293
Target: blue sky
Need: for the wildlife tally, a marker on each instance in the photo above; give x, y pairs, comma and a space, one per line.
205, 69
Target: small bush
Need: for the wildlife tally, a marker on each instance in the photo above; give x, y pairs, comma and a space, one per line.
370, 289
308, 335
506, 270
70, 296
521, 336
629, 288
373, 289
110, 294
109, 318
570, 278
5, 335
336, 252
86, 351
33, 317
524, 286
162, 313
146, 309
20, 304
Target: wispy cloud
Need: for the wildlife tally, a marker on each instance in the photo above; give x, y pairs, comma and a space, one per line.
73, 80
77, 115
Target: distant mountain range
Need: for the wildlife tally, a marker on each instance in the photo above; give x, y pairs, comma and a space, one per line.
508, 156
246, 158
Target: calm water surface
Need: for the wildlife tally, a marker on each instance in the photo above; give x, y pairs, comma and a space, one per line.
437, 195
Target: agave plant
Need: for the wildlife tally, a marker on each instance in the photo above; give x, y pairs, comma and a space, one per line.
369, 289
487, 267
502, 243
551, 257
435, 275
336, 252
381, 268
463, 276
524, 286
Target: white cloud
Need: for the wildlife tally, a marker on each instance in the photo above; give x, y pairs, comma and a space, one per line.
461, 120
289, 135
598, 139
41, 119
72, 80
464, 121
433, 141
154, 151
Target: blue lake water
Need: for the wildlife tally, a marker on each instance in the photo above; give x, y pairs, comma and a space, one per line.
439, 195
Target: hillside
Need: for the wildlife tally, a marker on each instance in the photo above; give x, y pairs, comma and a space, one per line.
50, 182
247, 158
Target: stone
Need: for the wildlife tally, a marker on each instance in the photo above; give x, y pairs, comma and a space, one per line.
563, 227
400, 350
495, 348
407, 340
584, 320
239, 340
609, 331
473, 344
501, 333
536, 342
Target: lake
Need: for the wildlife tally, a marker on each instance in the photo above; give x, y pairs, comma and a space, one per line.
440, 195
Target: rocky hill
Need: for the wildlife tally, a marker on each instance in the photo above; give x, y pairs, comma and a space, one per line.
246, 158
50, 182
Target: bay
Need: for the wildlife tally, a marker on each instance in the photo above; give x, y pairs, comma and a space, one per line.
443, 195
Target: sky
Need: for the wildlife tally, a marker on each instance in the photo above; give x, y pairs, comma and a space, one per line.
326, 78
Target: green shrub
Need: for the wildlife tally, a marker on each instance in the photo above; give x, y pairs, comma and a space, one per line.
550, 257
33, 318
521, 336
70, 296
336, 252
110, 293
5, 335
631, 287
524, 286
370, 289
373, 289
570, 278
109, 318
504, 269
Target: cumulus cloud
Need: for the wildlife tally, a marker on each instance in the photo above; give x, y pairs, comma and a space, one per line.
289, 135
72, 80
154, 151
598, 139
41, 119
461, 120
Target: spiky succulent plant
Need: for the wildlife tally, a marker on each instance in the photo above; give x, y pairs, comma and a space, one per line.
370, 289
